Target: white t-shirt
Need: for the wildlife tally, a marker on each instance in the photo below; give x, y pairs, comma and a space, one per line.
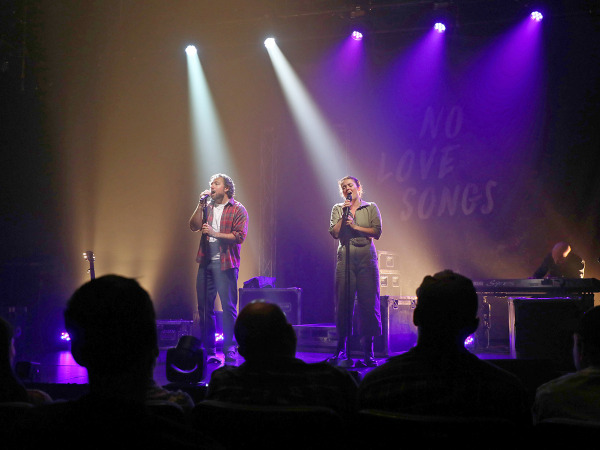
216, 225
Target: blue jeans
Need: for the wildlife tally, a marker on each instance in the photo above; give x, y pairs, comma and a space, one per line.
210, 281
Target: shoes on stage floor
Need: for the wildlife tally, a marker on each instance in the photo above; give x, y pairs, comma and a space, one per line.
341, 359
367, 362
346, 363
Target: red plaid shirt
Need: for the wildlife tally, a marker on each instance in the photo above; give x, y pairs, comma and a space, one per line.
234, 220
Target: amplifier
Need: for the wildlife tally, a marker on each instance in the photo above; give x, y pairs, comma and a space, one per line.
388, 261
169, 331
389, 283
288, 299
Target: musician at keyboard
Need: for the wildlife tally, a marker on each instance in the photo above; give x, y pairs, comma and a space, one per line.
561, 262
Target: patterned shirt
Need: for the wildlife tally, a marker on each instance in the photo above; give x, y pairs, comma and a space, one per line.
234, 220
444, 383
284, 382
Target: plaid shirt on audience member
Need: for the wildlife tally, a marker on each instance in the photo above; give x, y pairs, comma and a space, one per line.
285, 382
234, 220
444, 383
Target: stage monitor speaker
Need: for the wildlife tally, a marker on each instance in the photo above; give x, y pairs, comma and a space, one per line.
288, 299
542, 328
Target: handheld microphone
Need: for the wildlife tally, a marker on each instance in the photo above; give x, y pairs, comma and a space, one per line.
204, 197
347, 208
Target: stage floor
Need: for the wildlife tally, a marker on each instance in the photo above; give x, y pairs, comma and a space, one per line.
59, 367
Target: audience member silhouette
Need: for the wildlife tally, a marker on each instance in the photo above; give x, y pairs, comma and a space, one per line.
439, 376
11, 388
112, 325
271, 374
575, 396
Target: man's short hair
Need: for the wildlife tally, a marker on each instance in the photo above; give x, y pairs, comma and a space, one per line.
113, 318
227, 181
447, 299
261, 329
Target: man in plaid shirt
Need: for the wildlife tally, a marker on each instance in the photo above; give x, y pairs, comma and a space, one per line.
223, 223
439, 376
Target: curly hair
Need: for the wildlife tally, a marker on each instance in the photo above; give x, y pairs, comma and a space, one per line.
227, 181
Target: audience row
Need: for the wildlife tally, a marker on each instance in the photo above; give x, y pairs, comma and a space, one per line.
112, 324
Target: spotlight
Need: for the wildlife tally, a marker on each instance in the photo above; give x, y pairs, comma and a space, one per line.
357, 35
439, 27
470, 341
536, 15
186, 363
64, 337
270, 42
191, 50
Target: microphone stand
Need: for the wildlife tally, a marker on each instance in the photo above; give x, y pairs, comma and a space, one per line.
349, 300
205, 250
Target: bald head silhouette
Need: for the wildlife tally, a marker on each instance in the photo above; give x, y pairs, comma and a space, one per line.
262, 331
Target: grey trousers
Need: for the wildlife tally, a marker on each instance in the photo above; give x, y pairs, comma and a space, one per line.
362, 279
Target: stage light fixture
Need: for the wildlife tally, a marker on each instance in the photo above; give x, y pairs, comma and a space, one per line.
439, 27
470, 342
191, 50
270, 42
536, 15
186, 363
357, 35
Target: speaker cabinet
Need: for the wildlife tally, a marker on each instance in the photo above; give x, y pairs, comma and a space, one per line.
288, 299
542, 328
389, 283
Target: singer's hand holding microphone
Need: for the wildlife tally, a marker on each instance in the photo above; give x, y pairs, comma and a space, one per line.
204, 197
348, 218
